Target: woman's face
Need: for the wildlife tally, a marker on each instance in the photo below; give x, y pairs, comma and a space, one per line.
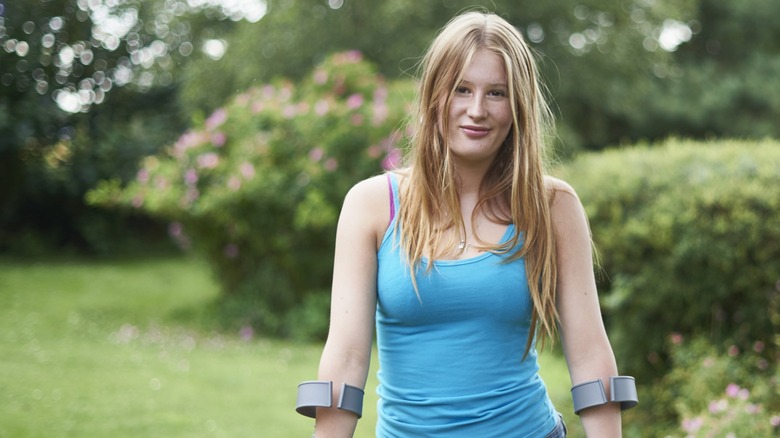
480, 115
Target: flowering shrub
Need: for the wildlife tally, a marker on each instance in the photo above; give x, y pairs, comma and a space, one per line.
730, 415
726, 394
256, 187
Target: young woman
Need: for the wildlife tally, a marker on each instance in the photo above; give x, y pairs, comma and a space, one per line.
460, 259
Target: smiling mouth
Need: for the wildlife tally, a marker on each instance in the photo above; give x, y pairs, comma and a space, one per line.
475, 131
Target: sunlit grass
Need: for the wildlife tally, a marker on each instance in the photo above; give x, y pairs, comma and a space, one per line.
129, 349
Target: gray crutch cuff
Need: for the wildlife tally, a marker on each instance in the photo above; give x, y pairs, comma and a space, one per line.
318, 393
351, 399
587, 395
622, 389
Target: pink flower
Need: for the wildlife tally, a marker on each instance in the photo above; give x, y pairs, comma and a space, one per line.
732, 390
355, 55
247, 170
289, 112
758, 347
143, 176
320, 76
208, 160
190, 196
743, 394
285, 93
186, 141
775, 420
216, 118
331, 164
355, 101
380, 113
350, 57
676, 338
357, 119
718, 406
380, 93
321, 107
733, 351
380, 105
692, 425
268, 91
175, 229
191, 177
234, 183
138, 201
316, 154
752, 408
392, 159
257, 107
218, 139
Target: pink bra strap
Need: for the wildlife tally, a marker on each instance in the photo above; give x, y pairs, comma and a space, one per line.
392, 203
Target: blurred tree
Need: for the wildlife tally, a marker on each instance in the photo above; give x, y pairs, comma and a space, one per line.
59, 60
594, 54
725, 81
618, 72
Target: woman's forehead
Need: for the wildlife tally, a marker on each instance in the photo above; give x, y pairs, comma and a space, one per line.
485, 68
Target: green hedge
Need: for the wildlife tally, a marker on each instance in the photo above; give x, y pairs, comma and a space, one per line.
257, 186
688, 238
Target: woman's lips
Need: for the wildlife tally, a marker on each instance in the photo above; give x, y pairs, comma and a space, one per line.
475, 131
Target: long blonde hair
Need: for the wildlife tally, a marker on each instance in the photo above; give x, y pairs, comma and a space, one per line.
429, 198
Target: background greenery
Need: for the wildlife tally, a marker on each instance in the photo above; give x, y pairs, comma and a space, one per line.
686, 234
131, 126
130, 348
142, 85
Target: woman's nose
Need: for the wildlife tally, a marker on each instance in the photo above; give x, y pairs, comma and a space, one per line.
476, 109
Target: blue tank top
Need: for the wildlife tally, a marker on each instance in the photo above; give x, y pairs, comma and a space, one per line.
451, 361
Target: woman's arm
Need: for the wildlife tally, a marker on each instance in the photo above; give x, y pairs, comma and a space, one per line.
345, 358
585, 343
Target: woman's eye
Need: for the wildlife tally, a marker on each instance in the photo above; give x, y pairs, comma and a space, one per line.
497, 93
461, 90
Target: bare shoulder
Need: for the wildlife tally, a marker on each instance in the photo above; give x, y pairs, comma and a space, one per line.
367, 204
370, 192
562, 194
567, 214
558, 185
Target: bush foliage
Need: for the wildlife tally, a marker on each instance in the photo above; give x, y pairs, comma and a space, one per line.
687, 236
256, 187
719, 392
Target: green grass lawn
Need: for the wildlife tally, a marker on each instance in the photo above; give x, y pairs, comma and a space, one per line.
129, 349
